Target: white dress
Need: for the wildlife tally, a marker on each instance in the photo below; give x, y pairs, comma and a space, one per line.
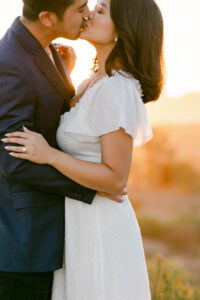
103, 257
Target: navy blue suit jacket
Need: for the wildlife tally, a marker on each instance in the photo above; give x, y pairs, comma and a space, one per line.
35, 94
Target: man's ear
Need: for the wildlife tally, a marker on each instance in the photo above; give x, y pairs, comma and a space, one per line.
48, 19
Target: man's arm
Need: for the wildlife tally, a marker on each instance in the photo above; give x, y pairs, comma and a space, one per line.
17, 108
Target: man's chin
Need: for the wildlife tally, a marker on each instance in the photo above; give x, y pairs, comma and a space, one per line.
83, 36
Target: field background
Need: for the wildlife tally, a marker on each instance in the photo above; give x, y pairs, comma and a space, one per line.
164, 189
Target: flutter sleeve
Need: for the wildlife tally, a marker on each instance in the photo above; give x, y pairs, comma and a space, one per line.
113, 103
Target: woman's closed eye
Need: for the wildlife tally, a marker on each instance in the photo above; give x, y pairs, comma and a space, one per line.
99, 8
100, 11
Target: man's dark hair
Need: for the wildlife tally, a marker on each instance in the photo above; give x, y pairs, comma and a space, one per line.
32, 8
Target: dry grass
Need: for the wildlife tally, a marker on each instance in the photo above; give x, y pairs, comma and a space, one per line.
171, 282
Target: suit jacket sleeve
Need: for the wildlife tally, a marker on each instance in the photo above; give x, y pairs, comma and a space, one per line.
17, 108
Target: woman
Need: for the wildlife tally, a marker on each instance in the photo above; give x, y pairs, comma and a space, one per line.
104, 256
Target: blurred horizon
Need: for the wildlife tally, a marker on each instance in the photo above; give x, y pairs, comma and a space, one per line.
175, 111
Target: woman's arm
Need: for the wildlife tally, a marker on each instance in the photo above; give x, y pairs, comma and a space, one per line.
110, 176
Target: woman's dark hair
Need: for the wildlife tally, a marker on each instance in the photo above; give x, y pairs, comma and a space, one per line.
32, 8
139, 48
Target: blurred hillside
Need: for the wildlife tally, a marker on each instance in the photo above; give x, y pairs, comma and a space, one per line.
164, 188
175, 111
171, 160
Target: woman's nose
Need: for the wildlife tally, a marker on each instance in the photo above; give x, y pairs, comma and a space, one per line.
91, 15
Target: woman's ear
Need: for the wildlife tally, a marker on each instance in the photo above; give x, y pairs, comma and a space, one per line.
48, 19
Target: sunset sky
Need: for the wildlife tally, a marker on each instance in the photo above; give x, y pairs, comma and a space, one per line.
182, 43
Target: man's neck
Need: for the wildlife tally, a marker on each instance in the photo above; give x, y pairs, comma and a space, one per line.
39, 32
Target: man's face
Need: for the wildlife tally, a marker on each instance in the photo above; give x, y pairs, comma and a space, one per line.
72, 21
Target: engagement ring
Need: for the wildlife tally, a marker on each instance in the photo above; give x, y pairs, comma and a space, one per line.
24, 149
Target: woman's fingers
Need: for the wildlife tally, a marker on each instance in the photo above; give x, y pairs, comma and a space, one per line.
29, 132
18, 134
19, 155
22, 134
15, 140
19, 137
16, 149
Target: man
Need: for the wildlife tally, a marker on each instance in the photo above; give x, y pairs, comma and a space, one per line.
34, 91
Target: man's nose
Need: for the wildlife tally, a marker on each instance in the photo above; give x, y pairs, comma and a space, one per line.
86, 13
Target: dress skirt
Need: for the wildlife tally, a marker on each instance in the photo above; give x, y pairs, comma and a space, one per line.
104, 257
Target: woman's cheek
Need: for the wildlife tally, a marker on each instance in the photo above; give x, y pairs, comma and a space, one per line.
103, 25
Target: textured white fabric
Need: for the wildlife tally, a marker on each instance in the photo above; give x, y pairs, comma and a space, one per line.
103, 257
113, 102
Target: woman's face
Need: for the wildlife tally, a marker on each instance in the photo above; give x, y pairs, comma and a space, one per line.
100, 30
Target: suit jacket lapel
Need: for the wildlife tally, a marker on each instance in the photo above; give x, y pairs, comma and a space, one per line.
62, 70
41, 58
47, 67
